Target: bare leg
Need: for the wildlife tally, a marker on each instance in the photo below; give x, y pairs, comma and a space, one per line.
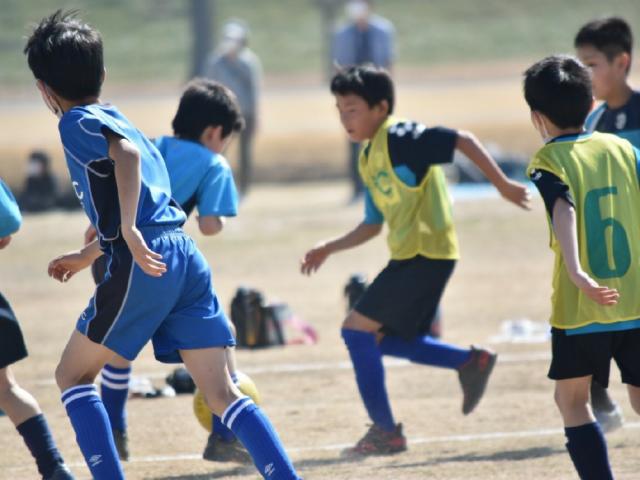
572, 398
634, 397
17, 403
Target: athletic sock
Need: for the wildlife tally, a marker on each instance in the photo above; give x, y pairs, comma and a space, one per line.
600, 399
220, 428
253, 429
93, 431
425, 350
114, 390
588, 450
37, 436
367, 364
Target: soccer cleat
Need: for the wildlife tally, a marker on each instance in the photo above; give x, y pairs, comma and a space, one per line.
609, 420
61, 472
122, 443
219, 450
379, 442
473, 376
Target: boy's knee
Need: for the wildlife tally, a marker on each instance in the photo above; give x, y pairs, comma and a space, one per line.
634, 399
66, 378
220, 397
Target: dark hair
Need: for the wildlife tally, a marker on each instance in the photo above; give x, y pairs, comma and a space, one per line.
39, 156
371, 83
66, 54
206, 103
559, 87
611, 35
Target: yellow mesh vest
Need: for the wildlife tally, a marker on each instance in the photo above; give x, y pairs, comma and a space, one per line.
601, 173
419, 218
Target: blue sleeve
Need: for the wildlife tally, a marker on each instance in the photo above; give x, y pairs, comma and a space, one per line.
637, 153
10, 218
83, 136
372, 215
217, 194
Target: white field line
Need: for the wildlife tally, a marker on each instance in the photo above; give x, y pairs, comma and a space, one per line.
473, 437
326, 366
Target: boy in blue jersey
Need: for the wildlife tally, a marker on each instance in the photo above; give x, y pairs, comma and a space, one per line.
200, 177
590, 186
158, 284
23, 410
405, 188
605, 46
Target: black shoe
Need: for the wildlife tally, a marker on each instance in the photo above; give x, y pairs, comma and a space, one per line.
122, 443
219, 450
378, 442
474, 375
61, 472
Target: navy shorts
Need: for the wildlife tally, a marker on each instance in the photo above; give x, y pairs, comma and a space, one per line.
177, 311
574, 356
12, 347
405, 295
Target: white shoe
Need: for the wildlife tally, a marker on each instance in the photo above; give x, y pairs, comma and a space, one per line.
609, 420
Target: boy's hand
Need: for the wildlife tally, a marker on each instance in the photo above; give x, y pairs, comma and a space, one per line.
517, 193
313, 259
65, 266
602, 295
147, 260
90, 234
4, 241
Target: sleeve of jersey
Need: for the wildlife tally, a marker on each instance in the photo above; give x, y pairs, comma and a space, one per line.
10, 218
551, 188
372, 215
418, 146
83, 136
217, 194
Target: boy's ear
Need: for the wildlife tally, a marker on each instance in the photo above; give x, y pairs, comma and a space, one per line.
622, 61
383, 106
103, 76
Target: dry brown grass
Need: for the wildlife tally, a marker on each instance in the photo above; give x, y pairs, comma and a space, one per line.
504, 273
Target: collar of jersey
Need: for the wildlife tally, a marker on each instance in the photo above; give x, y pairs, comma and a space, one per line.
573, 137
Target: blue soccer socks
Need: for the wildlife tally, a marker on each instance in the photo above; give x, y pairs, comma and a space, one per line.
425, 350
93, 431
220, 428
588, 450
114, 390
252, 427
37, 436
367, 364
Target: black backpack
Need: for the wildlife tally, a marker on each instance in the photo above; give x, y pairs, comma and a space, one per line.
257, 325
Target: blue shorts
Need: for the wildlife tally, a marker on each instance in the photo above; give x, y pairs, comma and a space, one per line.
177, 311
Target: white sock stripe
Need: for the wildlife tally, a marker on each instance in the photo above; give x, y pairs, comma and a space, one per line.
115, 376
79, 395
113, 385
78, 388
237, 412
231, 407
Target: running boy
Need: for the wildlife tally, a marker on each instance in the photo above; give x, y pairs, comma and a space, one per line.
23, 410
589, 184
605, 46
405, 187
158, 284
199, 176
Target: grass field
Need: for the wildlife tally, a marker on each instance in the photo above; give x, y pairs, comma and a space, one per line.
308, 392
149, 40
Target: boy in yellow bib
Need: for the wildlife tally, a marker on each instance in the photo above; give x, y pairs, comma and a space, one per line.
404, 187
589, 183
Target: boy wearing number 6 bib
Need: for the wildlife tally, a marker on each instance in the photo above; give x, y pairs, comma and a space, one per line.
590, 186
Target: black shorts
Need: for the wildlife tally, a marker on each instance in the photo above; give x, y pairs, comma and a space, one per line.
99, 269
405, 295
575, 356
12, 347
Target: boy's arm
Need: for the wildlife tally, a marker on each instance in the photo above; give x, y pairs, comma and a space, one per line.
564, 226
315, 257
210, 224
126, 158
515, 192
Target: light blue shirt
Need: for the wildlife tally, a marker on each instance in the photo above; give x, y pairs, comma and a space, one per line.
10, 218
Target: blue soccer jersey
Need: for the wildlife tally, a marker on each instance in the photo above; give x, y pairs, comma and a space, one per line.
623, 121
199, 177
82, 131
10, 217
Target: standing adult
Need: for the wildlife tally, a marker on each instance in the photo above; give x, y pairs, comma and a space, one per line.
236, 66
365, 38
